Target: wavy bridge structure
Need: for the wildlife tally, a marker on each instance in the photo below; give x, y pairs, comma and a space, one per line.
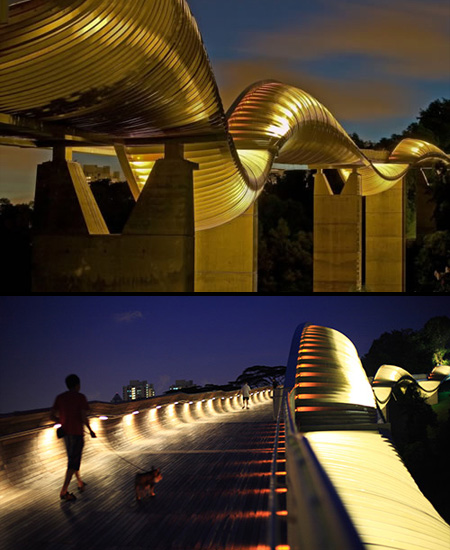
134, 80
325, 475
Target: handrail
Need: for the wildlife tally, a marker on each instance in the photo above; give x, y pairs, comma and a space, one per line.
27, 423
322, 521
273, 538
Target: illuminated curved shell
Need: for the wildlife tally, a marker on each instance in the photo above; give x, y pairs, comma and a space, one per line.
122, 71
332, 393
388, 376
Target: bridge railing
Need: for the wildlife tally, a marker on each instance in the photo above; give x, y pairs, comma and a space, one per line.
317, 517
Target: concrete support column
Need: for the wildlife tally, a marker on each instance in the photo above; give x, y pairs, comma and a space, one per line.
66, 220
164, 214
226, 256
73, 252
64, 203
337, 252
385, 240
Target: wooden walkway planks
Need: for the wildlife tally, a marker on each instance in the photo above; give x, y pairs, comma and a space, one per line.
214, 494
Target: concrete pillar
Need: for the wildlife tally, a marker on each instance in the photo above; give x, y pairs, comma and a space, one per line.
65, 211
73, 252
164, 213
64, 203
385, 240
337, 253
226, 256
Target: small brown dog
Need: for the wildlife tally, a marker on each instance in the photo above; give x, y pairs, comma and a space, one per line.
144, 484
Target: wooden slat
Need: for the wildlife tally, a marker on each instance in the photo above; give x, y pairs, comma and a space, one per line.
214, 493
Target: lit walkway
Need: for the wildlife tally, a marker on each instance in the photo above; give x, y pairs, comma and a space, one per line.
214, 494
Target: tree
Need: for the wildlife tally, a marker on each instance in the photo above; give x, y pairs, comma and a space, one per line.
415, 351
435, 339
399, 347
440, 183
261, 376
433, 255
15, 244
285, 234
433, 126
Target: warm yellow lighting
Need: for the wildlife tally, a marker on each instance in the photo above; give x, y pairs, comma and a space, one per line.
95, 424
380, 495
154, 87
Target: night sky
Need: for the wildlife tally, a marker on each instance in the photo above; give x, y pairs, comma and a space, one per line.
373, 63
109, 340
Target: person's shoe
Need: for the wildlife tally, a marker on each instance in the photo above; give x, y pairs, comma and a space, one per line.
82, 488
68, 496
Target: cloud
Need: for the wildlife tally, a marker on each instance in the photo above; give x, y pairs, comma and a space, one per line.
403, 38
350, 99
128, 316
367, 62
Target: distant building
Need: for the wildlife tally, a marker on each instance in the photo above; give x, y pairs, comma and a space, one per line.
180, 384
94, 173
137, 389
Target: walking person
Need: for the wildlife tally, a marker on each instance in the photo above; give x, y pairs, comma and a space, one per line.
245, 392
70, 410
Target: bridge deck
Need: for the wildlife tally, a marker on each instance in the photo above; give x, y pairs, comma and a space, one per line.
214, 492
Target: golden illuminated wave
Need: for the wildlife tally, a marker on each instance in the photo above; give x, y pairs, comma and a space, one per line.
388, 377
136, 74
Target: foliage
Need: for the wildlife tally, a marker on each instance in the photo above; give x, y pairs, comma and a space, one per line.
414, 351
398, 347
433, 255
433, 125
435, 336
423, 442
261, 376
255, 377
15, 243
285, 235
115, 202
440, 183
362, 144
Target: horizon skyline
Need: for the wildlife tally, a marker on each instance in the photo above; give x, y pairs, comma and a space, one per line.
109, 340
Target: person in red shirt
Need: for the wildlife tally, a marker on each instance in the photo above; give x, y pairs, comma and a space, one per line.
71, 409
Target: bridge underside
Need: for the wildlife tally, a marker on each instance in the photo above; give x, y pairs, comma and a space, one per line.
214, 492
93, 73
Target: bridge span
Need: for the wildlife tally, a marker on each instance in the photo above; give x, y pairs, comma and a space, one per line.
324, 476
215, 459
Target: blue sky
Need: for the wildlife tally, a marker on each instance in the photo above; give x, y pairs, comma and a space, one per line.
373, 63
109, 340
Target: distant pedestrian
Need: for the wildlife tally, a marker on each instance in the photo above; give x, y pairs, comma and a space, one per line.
274, 385
71, 409
245, 392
